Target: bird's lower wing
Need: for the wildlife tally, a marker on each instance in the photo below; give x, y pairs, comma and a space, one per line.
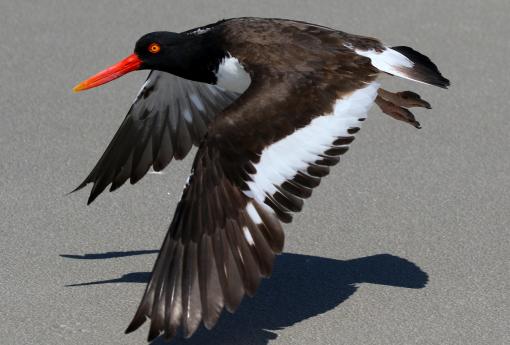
257, 164
219, 245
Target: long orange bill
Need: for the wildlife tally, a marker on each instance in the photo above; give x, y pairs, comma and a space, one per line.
129, 64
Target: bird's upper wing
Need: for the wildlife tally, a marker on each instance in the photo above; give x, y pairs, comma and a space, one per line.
169, 115
260, 159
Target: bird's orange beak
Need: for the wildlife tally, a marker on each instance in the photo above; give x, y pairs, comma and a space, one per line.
129, 64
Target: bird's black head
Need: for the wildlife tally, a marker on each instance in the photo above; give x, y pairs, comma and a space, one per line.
155, 50
190, 56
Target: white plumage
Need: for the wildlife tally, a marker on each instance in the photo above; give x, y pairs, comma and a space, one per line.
283, 159
390, 61
232, 76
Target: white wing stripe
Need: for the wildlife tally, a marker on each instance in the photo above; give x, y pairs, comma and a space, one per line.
252, 212
283, 159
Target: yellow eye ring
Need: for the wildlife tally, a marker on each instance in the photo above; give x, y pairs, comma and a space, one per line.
154, 48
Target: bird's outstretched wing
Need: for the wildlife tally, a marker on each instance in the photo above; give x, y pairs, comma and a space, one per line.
260, 159
169, 115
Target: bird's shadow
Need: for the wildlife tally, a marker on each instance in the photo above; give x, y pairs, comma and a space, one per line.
301, 287
108, 255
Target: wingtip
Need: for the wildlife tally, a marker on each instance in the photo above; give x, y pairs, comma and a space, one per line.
93, 195
424, 69
153, 334
443, 82
83, 184
135, 324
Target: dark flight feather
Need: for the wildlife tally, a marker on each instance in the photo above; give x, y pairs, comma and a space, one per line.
195, 276
168, 117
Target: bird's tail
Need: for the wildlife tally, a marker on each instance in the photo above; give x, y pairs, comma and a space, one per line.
406, 63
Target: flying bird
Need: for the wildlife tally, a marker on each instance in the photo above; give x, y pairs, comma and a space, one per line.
271, 104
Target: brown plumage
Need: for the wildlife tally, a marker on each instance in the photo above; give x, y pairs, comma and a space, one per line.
262, 150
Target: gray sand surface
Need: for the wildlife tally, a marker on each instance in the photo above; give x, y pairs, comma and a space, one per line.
406, 242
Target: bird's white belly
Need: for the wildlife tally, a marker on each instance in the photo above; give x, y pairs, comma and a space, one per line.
232, 76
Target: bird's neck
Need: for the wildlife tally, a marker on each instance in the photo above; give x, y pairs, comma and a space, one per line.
203, 58
197, 58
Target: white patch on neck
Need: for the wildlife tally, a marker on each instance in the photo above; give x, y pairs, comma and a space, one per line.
232, 76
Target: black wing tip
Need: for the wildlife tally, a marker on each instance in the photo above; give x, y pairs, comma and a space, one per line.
81, 186
92, 195
429, 73
135, 324
439, 81
91, 199
153, 335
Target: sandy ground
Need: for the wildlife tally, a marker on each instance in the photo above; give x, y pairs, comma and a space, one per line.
406, 242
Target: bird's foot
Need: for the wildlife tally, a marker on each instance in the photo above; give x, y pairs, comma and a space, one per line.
395, 104
405, 99
398, 113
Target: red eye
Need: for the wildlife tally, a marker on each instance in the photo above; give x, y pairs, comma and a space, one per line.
154, 48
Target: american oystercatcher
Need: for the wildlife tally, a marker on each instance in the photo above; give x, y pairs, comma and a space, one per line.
272, 104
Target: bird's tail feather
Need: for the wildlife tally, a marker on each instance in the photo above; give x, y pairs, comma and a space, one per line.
406, 63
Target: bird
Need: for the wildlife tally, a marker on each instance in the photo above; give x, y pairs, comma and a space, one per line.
271, 104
